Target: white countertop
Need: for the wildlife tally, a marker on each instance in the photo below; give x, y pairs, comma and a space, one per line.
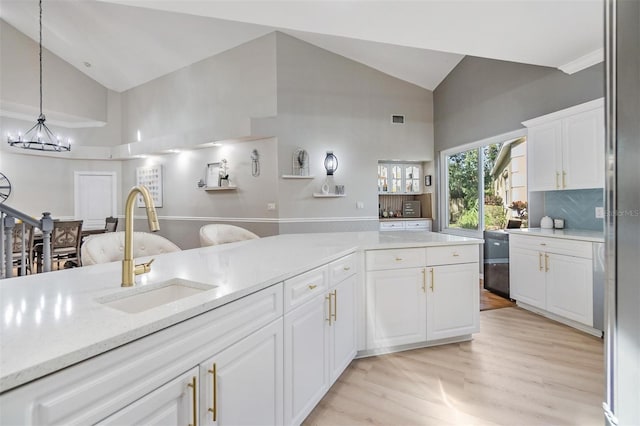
52, 320
568, 234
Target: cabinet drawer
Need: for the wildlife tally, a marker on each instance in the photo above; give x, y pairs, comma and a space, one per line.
418, 225
553, 245
392, 226
448, 255
395, 259
342, 268
303, 287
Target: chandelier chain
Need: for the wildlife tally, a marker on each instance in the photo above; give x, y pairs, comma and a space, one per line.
40, 57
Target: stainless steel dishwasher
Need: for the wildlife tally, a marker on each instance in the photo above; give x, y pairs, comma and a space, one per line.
496, 262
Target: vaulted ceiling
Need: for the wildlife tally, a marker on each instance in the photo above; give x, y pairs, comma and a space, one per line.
129, 42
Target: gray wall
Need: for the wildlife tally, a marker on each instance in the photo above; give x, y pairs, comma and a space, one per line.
42, 184
186, 207
19, 76
481, 97
328, 102
213, 99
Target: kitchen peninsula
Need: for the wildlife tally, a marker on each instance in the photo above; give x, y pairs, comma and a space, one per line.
67, 357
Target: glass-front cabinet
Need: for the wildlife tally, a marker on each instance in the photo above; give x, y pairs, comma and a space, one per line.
399, 178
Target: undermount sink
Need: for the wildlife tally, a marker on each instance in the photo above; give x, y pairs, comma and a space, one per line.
143, 298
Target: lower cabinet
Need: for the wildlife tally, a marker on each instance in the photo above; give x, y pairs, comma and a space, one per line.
553, 275
172, 404
247, 374
396, 307
453, 300
420, 295
319, 343
527, 277
218, 391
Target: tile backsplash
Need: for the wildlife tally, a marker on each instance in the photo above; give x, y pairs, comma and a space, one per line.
576, 207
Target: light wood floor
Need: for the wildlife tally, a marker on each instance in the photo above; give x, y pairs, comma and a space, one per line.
490, 300
521, 369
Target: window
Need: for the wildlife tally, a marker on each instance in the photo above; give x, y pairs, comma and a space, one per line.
478, 185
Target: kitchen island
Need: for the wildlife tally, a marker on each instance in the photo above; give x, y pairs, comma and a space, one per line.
59, 322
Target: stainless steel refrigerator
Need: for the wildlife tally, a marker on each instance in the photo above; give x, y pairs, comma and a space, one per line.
622, 198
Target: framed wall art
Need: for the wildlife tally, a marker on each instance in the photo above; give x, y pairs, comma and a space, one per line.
151, 177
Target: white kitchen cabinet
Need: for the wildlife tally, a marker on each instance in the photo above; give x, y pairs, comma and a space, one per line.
172, 404
527, 279
553, 275
566, 148
243, 385
453, 300
406, 225
342, 332
570, 287
306, 356
396, 307
399, 178
319, 337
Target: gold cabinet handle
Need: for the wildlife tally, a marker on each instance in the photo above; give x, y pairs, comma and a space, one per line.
455, 254
540, 261
564, 178
398, 259
546, 262
346, 268
335, 305
312, 286
424, 280
557, 180
328, 298
214, 409
433, 280
193, 387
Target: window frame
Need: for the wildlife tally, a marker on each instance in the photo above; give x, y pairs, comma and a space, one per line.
443, 198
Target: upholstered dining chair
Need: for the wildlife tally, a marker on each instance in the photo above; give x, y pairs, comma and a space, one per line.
18, 243
109, 247
111, 224
216, 233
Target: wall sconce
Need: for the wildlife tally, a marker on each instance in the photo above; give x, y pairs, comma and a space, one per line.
330, 163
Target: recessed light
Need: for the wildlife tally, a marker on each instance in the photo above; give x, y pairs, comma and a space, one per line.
87, 64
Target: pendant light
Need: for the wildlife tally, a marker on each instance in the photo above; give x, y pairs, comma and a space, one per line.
39, 137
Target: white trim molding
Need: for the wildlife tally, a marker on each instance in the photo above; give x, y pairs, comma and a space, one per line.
583, 62
577, 109
263, 219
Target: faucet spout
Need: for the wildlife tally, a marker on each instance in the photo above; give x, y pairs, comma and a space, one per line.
129, 270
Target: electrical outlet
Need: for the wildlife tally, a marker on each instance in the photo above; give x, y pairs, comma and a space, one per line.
271, 206
599, 212
359, 205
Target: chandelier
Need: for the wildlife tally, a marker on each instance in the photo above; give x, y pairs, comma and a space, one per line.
39, 137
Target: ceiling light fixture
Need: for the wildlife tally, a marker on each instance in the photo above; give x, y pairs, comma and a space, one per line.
39, 137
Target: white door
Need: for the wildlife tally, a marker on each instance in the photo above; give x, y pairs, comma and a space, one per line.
583, 150
243, 384
453, 300
544, 151
527, 277
396, 307
306, 340
342, 343
570, 288
95, 195
170, 404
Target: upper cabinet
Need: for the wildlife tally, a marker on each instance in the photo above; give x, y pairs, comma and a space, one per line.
566, 148
399, 178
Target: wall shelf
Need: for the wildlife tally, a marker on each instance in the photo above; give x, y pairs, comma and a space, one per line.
320, 195
296, 177
220, 188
